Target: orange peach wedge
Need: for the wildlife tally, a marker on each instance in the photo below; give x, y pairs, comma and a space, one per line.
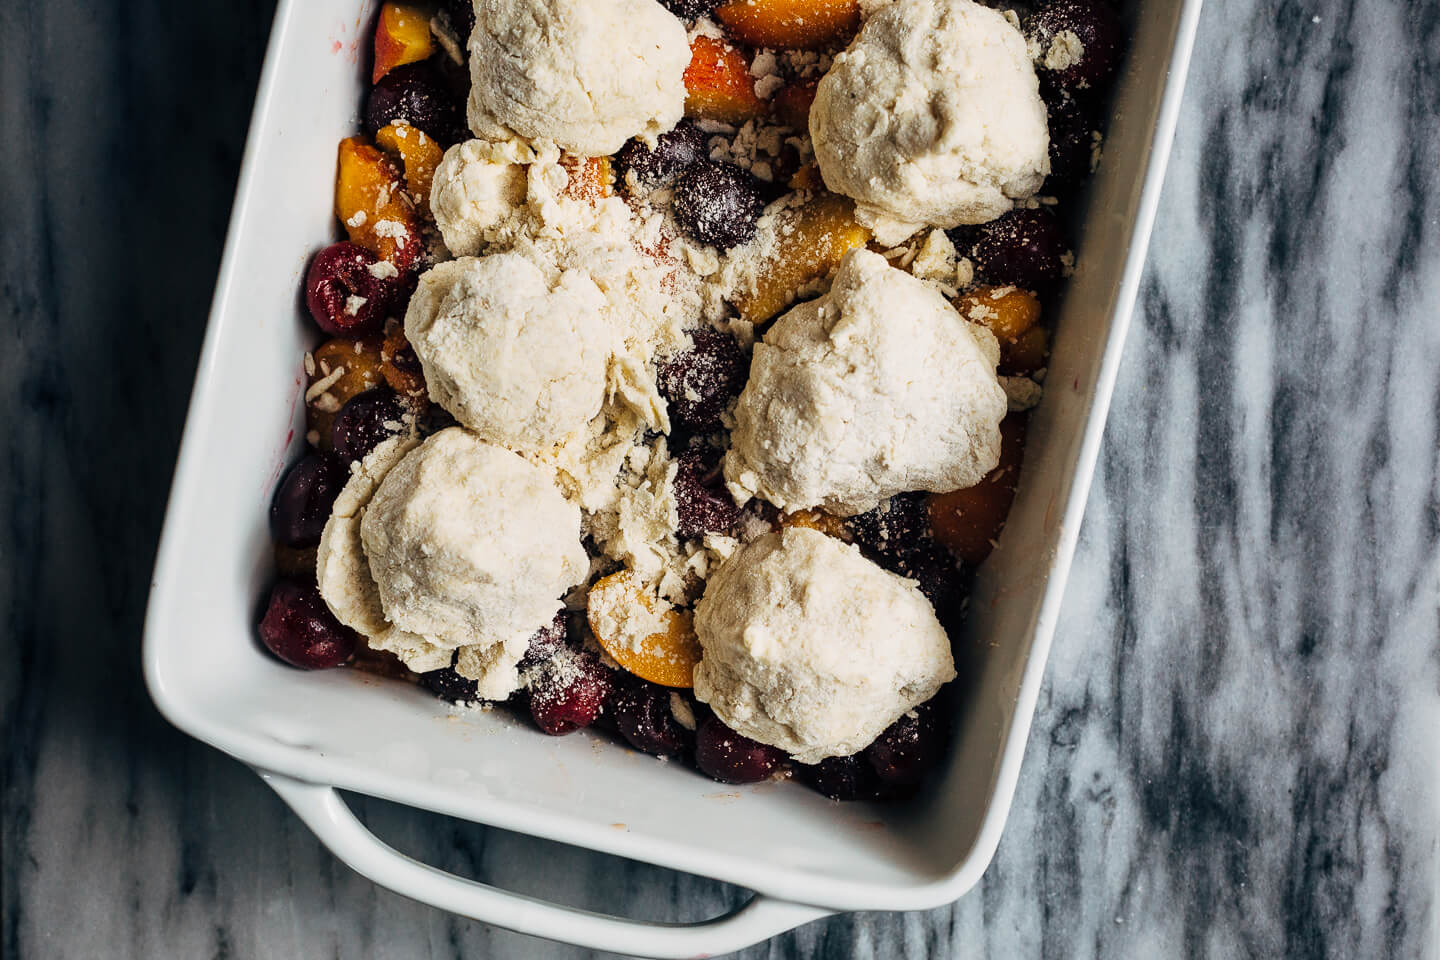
590, 177
402, 36
969, 521
667, 657
791, 24
420, 155
718, 85
810, 241
370, 201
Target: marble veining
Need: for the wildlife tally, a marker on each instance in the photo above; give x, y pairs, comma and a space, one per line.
1234, 754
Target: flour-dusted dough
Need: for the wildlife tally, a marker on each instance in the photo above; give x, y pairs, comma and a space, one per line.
343, 573
483, 586
932, 116
477, 197
471, 543
812, 648
520, 360
587, 74
876, 388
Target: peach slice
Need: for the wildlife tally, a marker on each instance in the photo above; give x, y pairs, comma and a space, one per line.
401, 369
969, 521
668, 657
1007, 311
826, 523
791, 24
791, 105
1029, 352
418, 152
810, 241
370, 201
337, 370
402, 36
590, 177
718, 85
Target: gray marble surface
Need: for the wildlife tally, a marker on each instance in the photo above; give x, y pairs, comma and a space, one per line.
1236, 748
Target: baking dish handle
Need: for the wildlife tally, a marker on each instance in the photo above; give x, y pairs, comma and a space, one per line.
323, 811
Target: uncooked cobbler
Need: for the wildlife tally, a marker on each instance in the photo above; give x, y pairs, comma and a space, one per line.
679, 363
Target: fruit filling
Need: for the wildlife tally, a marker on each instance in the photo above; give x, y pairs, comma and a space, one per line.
673, 362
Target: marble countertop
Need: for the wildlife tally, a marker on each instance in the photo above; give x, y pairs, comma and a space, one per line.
1235, 750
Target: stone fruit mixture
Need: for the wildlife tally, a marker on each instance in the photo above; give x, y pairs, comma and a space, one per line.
676, 364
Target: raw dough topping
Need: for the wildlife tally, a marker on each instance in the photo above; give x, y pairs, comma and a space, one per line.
586, 75
874, 389
469, 543
517, 358
446, 544
932, 117
475, 197
813, 648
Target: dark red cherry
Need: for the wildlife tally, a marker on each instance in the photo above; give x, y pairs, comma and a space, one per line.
690, 10
699, 383
730, 758
703, 503
674, 151
447, 684
910, 747
345, 296
303, 499
299, 629
568, 691
894, 528
417, 94
1072, 141
1076, 43
1025, 247
547, 642
644, 718
840, 778
365, 421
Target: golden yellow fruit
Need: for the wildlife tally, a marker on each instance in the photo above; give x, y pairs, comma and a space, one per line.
1007, 311
718, 85
810, 241
969, 521
791, 24
667, 657
418, 152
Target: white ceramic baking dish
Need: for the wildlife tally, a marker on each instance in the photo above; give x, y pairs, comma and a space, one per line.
311, 733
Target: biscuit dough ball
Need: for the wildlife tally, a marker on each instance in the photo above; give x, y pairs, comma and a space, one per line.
477, 198
470, 542
812, 648
932, 116
518, 359
878, 387
588, 75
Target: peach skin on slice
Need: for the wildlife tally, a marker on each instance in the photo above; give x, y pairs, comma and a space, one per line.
402, 35
810, 241
1007, 311
969, 521
791, 24
718, 85
590, 177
